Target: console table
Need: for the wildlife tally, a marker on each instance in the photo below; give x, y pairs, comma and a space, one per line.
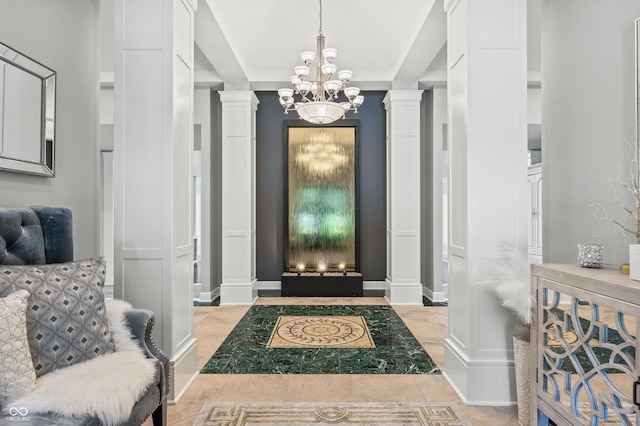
583, 346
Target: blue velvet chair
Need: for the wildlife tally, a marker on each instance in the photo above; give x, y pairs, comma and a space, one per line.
43, 235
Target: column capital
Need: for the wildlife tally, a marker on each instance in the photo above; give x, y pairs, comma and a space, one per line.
402, 96
227, 96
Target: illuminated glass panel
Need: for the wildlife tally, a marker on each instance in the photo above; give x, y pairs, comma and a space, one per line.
321, 194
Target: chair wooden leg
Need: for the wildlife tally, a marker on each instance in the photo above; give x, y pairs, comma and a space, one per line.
159, 415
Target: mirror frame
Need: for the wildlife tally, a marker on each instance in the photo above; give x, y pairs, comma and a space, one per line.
47, 76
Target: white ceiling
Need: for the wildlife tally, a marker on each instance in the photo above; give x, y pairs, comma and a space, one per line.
259, 41
254, 44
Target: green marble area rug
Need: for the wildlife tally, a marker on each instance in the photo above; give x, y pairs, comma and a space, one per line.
330, 413
393, 349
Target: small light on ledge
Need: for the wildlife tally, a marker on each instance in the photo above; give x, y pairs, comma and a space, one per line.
322, 267
300, 268
342, 267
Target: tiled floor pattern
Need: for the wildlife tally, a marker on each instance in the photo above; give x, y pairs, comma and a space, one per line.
396, 350
321, 332
428, 324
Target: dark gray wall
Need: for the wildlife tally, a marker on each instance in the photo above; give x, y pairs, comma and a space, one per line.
270, 191
216, 189
426, 189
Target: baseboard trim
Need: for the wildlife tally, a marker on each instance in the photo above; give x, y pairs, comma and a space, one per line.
183, 370
238, 293
209, 296
269, 285
436, 297
479, 382
403, 293
374, 285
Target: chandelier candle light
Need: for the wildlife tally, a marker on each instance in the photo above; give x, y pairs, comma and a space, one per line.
320, 107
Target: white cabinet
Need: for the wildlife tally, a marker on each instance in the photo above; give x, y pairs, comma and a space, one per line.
534, 191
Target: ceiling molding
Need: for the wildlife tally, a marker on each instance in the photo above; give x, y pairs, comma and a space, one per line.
426, 45
213, 43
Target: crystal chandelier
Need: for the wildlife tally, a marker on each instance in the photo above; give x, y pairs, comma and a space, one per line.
317, 103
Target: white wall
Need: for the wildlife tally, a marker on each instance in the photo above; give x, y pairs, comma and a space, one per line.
534, 105
62, 35
588, 112
106, 106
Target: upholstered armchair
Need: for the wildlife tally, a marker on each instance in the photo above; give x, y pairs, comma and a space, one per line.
43, 236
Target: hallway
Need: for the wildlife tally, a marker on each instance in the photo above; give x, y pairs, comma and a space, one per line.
428, 324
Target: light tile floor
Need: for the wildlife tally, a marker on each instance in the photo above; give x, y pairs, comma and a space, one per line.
428, 324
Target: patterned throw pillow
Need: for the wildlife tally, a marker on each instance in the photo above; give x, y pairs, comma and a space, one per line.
66, 316
17, 376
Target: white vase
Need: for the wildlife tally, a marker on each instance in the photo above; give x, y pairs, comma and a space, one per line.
634, 261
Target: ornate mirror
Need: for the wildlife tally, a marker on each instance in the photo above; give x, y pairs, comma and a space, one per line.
27, 114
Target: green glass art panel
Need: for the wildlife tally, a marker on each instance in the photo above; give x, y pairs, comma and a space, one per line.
321, 194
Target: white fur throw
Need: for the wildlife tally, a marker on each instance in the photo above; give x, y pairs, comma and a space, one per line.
106, 387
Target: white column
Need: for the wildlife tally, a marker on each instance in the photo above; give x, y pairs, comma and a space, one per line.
435, 173
202, 114
153, 139
403, 284
238, 197
487, 91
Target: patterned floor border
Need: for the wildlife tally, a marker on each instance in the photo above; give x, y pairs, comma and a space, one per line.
356, 413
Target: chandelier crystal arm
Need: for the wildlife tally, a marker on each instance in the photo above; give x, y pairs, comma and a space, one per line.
320, 107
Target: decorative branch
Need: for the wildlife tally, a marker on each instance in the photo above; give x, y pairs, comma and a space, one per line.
625, 196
